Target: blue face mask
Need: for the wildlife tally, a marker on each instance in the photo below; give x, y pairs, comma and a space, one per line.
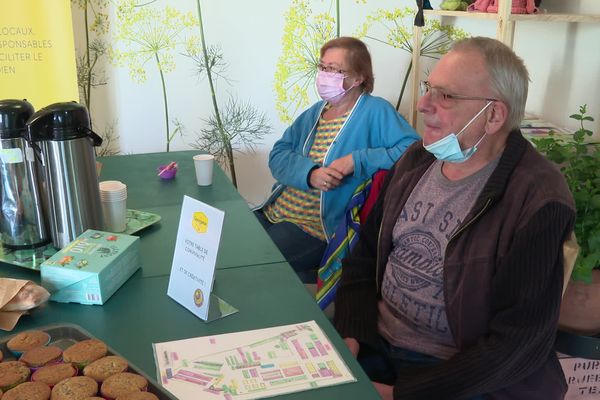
448, 147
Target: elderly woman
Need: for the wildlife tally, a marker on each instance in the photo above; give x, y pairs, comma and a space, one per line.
328, 151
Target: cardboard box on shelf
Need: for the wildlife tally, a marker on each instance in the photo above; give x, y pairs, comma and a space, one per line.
91, 268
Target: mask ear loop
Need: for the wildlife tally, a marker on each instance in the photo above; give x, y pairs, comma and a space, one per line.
475, 117
339, 96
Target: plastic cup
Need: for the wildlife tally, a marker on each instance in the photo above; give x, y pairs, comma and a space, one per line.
204, 168
113, 198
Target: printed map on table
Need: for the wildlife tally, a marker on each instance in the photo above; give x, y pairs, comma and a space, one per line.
250, 365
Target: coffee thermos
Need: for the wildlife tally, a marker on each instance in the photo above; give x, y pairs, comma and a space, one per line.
64, 144
22, 225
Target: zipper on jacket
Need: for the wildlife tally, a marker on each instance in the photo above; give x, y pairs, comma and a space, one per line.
377, 254
454, 235
313, 131
466, 225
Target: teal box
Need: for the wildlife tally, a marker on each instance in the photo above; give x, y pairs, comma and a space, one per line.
91, 268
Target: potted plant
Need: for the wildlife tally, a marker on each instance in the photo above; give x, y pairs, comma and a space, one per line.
579, 161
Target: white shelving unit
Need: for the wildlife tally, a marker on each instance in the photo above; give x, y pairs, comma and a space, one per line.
505, 30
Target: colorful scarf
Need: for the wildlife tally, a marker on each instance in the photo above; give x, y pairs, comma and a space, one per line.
340, 245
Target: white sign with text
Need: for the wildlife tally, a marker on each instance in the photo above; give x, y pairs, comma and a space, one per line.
195, 257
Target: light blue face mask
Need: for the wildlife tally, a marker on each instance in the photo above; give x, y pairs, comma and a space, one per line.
448, 147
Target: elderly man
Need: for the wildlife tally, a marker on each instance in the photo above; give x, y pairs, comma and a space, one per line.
454, 288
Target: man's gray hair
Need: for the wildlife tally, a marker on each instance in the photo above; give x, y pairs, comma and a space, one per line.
509, 77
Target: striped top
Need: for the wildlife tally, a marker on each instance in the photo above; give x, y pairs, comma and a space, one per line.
303, 207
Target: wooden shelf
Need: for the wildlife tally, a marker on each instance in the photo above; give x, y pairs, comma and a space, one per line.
505, 29
541, 17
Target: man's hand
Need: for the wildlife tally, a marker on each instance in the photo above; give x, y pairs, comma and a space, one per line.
385, 391
344, 165
325, 178
353, 345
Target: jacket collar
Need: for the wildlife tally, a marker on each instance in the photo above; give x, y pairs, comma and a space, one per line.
516, 145
496, 184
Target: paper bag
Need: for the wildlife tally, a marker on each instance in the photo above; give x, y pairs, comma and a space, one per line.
16, 297
570, 252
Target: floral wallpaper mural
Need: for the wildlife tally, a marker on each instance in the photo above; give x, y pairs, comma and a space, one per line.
90, 73
148, 37
227, 77
236, 125
392, 28
171, 69
304, 34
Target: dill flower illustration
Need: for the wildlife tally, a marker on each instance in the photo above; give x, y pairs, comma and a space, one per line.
149, 35
237, 125
303, 36
394, 28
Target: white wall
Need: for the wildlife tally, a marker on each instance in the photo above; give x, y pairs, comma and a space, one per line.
563, 60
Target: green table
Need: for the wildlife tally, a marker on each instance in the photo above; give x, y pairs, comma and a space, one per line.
243, 241
251, 275
145, 189
141, 313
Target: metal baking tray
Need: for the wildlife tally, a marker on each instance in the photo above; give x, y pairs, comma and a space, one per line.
64, 335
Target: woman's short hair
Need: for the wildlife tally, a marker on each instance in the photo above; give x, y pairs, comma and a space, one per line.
359, 58
509, 79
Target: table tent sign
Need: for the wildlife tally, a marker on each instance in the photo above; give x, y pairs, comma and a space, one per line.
194, 261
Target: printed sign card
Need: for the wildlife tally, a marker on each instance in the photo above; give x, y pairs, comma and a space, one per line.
194, 260
250, 364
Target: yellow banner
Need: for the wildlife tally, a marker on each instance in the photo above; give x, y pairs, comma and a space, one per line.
37, 52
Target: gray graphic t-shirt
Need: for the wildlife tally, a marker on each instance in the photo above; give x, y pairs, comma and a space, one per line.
412, 312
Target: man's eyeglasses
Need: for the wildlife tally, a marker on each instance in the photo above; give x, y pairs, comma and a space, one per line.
441, 97
329, 68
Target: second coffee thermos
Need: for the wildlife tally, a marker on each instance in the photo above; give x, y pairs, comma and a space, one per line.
64, 144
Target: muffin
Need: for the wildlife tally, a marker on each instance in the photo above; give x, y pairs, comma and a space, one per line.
40, 356
12, 373
104, 367
28, 391
75, 388
138, 396
84, 352
122, 383
52, 374
27, 340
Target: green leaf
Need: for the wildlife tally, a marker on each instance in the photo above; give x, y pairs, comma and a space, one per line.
580, 164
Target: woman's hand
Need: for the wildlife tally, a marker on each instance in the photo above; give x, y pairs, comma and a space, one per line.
344, 165
325, 178
353, 345
385, 391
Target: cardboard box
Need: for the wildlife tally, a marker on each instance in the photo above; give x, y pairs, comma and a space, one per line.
91, 268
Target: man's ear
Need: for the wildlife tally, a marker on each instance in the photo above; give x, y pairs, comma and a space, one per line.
496, 116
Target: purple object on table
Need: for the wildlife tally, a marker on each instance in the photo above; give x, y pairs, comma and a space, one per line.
166, 172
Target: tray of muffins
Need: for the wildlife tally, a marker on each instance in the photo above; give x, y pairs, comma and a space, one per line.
64, 362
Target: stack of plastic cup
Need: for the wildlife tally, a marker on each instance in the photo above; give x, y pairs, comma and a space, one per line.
113, 196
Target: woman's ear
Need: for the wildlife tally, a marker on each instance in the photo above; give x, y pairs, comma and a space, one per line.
496, 117
358, 80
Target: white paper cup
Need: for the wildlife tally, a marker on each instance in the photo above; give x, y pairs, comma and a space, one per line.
113, 198
204, 168
113, 190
